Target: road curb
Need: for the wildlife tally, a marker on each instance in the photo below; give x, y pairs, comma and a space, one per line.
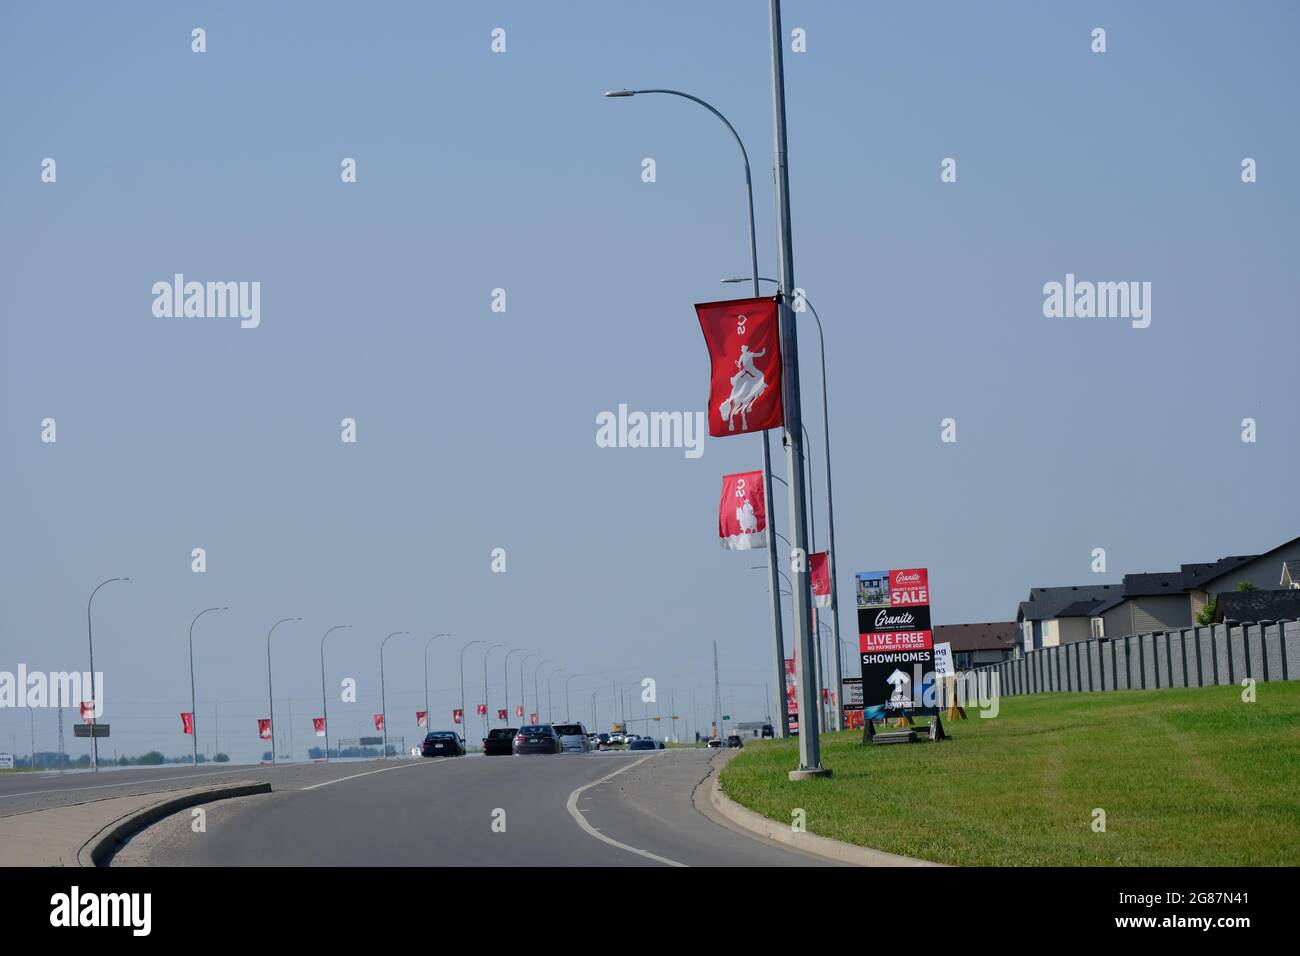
759, 825
99, 848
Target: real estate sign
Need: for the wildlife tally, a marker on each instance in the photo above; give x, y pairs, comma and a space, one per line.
943, 666
851, 693
6, 761
896, 640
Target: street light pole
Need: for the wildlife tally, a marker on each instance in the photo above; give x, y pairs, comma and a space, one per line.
324, 702
777, 638
810, 725
537, 699
94, 700
523, 703
837, 671
428, 717
568, 714
194, 710
505, 672
550, 712
485, 686
464, 721
383, 696
270, 693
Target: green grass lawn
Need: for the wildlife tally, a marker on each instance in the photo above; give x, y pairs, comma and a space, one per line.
1188, 777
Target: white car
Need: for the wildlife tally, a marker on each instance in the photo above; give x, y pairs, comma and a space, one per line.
715, 743
573, 738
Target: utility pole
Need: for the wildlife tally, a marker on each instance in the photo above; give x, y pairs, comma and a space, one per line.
717, 695
61, 757
809, 724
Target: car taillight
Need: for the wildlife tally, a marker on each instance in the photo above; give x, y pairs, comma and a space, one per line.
519, 739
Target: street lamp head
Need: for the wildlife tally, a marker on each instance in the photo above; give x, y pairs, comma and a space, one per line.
731, 279
620, 93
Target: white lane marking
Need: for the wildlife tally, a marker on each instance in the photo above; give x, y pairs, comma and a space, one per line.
112, 786
572, 807
317, 786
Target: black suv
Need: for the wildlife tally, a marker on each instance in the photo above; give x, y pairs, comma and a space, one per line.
443, 743
498, 742
537, 739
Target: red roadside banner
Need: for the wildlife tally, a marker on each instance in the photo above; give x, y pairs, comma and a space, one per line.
744, 342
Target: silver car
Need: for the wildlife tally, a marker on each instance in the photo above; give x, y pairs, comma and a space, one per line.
573, 738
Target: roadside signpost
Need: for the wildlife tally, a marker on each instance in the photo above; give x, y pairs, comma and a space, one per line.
945, 674
896, 640
90, 730
6, 761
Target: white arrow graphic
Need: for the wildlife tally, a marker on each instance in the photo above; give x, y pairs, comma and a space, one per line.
898, 679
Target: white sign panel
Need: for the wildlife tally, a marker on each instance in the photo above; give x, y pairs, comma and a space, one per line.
943, 661
6, 761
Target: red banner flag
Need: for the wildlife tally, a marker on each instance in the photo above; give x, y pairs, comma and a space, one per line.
501, 713
744, 343
187, 722
819, 567
318, 724
264, 728
481, 709
422, 718
457, 715
88, 711
379, 721
519, 710
532, 718
742, 513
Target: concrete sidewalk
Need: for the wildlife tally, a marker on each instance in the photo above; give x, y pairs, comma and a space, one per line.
80, 834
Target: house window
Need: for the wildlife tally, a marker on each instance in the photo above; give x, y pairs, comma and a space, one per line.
1098, 628
1028, 628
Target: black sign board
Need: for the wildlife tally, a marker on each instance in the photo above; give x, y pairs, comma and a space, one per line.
878, 620
896, 676
90, 730
370, 741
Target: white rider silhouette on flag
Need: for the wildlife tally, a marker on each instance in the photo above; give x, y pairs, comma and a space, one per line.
747, 386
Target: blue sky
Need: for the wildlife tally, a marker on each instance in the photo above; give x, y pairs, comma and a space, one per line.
476, 429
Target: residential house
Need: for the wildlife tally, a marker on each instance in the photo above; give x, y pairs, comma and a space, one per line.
1063, 615
1148, 602
1203, 582
1252, 606
974, 645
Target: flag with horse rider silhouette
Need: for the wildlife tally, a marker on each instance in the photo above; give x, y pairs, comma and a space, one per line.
745, 356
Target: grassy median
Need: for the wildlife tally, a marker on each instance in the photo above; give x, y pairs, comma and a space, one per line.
1189, 777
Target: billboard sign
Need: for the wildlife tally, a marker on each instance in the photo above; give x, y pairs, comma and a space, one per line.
896, 640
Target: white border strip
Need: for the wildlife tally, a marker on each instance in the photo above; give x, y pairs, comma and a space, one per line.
572, 807
402, 766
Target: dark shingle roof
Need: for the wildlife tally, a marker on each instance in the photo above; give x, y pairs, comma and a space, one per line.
1048, 603
1146, 585
1195, 576
992, 636
1278, 605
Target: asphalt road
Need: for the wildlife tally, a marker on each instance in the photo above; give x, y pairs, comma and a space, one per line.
600, 809
22, 792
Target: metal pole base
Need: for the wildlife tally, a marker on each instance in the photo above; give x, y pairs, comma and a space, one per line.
809, 774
